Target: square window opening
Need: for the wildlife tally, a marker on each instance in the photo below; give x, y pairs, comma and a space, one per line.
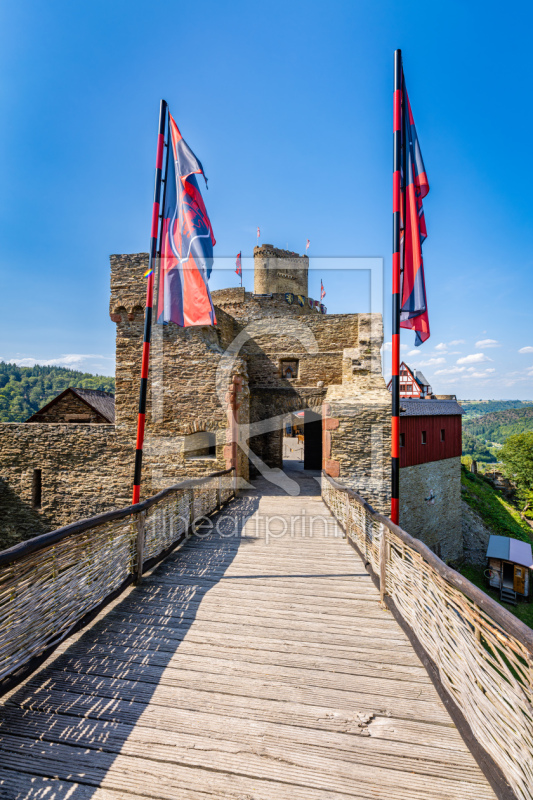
402, 439
289, 369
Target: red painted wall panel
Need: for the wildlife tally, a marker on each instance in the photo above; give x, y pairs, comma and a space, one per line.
414, 452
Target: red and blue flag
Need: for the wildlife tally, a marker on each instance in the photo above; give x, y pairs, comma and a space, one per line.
415, 186
238, 264
187, 241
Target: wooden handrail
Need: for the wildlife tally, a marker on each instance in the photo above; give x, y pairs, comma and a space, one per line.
52, 584
46, 539
508, 621
482, 654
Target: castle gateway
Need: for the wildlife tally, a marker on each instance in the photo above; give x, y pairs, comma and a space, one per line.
217, 396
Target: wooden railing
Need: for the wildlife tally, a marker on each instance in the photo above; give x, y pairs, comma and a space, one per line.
50, 583
483, 653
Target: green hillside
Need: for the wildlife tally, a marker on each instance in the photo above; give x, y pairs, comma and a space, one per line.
473, 408
476, 448
499, 425
24, 390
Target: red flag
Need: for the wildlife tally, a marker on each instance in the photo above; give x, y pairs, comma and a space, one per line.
238, 265
415, 186
322, 291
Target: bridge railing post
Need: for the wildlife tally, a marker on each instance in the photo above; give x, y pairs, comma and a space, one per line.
139, 547
346, 515
383, 557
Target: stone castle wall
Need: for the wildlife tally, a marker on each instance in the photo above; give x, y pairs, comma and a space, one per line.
280, 271
356, 426
208, 387
85, 470
430, 505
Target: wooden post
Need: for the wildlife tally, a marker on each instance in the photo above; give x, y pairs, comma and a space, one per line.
383, 565
190, 526
347, 514
141, 518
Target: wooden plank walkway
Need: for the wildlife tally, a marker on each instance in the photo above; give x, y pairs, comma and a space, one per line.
252, 666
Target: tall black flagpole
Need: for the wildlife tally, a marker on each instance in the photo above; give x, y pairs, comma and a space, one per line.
396, 267
149, 302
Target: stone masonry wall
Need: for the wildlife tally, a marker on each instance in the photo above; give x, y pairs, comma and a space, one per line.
184, 397
356, 424
85, 470
430, 505
278, 270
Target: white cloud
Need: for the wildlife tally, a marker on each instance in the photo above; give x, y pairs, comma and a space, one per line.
431, 362
526, 350
71, 360
449, 371
488, 343
473, 358
475, 375
387, 347
413, 353
441, 347
455, 342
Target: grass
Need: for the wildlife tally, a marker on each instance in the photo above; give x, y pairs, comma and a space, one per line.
498, 514
524, 611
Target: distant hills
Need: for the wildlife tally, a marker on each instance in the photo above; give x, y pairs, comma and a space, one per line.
498, 425
24, 390
478, 408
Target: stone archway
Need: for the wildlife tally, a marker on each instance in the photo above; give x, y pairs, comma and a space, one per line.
273, 405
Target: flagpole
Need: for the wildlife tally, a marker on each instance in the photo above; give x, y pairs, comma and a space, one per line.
149, 302
396, 267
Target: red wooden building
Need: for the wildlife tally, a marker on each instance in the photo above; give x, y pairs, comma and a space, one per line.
430, 430
430, 474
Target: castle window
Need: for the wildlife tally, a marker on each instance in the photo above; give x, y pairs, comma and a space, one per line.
423, 437
36, 489
442, 434
200, 445
289, 369
402, 439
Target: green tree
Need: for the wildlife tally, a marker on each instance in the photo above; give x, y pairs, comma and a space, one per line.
517, 456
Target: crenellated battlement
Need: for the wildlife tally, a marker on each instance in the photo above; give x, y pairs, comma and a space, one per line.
277, 271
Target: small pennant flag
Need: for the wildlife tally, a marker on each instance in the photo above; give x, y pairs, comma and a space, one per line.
148, 273
307, 244
322, 291
258, 233
238, 265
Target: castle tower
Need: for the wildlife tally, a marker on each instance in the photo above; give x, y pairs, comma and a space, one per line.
279, 271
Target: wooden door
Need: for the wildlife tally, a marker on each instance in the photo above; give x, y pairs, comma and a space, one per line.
519, 582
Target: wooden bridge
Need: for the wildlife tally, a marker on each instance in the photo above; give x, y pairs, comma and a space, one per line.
262, 659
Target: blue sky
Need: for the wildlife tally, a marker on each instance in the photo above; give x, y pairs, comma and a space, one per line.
288, 105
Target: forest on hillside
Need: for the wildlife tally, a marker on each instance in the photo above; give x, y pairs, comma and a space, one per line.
499, 425
480, 408
24, 390
477, 449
